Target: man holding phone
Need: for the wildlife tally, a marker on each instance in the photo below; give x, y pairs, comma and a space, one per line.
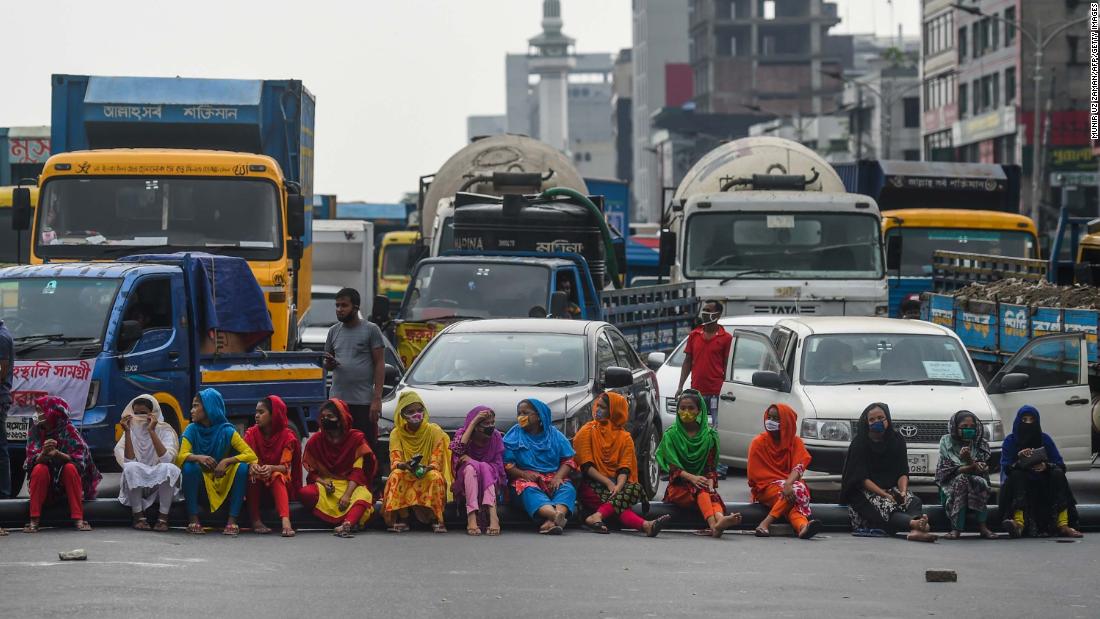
354, 355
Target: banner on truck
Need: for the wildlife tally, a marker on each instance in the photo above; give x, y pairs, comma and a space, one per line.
69, 380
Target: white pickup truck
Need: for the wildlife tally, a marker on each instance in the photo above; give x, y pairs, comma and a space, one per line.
830, 369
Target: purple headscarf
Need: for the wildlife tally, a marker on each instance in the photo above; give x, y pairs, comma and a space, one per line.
489, 455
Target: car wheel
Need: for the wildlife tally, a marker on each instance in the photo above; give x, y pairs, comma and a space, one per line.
647, 462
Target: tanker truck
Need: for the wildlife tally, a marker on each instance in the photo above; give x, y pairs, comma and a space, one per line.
765, 225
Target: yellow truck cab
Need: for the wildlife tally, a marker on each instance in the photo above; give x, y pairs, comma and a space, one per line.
14, 245
911, 236
394, 264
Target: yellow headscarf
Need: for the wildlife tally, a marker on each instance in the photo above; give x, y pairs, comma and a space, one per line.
423, 441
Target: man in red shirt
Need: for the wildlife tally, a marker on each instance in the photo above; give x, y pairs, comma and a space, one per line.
706, 353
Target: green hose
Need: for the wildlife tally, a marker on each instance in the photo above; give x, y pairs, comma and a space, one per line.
609, 247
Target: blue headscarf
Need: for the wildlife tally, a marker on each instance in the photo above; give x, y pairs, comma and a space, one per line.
212, 440
542, 452
1010, 449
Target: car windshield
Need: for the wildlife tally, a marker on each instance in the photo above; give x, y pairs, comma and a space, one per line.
66, 309
676, 359
887, 359
918, 245
395, 260
783, 245
477, 290
322, 311
521, 359
93, 218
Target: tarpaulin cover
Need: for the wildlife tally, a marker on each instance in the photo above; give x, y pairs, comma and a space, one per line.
231, 298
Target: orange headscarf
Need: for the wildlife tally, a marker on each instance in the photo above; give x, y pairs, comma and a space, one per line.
770, 460
605, 444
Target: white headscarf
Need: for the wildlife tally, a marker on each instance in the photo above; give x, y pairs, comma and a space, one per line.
144, 451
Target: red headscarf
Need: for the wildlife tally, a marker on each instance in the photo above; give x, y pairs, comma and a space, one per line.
269, 449
771, 460
336, 460
57, 426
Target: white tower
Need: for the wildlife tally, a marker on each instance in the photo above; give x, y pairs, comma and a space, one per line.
552, 58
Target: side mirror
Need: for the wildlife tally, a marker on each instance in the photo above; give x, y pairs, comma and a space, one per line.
559, 304
893, 253
1016, 381
295, 249
617, 378
380, 309
668, 249
296, 216
21, 209
655, 360
392, 376
768, 380
128, 335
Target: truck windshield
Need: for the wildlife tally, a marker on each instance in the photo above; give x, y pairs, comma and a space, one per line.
94, 218
476, 290
918, 245
783, 245
395, 260
519, 359
885, 359
50, 313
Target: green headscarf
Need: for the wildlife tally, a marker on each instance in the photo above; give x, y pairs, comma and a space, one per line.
689, 453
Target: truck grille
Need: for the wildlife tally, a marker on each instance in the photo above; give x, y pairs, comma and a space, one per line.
927, 432
804, 310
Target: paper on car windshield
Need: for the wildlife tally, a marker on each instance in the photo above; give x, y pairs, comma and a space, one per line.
780, 221
946, 370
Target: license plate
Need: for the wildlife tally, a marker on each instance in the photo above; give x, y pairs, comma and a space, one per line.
918, 464
16, 429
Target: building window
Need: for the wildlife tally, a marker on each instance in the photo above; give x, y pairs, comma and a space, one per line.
976, 39
769, 9
939, 34
912, 154
994, 33
962, 44
1010, 85
976, 96
1010, 31
1072, 41
962, 101
995, 80
912, 112
733, 46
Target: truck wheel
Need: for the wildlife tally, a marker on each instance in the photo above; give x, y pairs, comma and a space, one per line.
171, 418
17, 475
650, 474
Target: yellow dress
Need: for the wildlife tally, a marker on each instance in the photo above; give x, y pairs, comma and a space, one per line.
404, 490
218, 488
329, 504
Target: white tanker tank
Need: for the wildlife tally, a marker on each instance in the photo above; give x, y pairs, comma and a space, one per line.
493, 166
765, 224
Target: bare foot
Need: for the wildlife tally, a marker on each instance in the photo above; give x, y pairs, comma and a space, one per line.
494, 522
82, 525
472, 527
725, 523
260, 528
1068, 531
921, 536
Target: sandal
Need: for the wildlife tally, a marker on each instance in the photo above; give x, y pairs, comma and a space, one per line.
195, 528
289, 532
344, 530
555, 530
141, 524
989, 535
762, 532
82, 525
703, 532
1013, 528
3, 532
439, 527
1068, 531
398, 527
161, 526
657, 525
953, 535
811, 529
493, 531
473, 531
231, 530
598, 527
31, 527
260, 528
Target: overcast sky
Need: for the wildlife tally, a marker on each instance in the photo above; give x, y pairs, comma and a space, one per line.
394, 79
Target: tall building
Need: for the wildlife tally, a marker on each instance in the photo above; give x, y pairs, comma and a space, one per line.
622, 114
939, 81
23, 152
884, 112
766, 54
660, 49
551, 59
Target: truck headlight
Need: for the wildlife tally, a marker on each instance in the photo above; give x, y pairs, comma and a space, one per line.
995, 430
827, 429
93, 395
671, 406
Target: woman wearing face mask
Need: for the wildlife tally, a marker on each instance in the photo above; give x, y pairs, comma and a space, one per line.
689, 452
777, 461
1036, 499
538, 460
147, 454
340, 466
214, 457
420, 468
477, 453
278, 470
875, 484
59, 463
963, 473
605, 452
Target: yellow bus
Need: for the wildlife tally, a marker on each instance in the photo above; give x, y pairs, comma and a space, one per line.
394, 264
911, 236
103, 204
14, 245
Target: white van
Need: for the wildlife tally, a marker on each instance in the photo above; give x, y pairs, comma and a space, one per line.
829, 369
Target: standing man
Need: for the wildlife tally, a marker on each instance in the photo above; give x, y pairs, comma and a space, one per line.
354, 355
706, 352
7, 363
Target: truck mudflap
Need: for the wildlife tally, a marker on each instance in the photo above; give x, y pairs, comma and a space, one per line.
652, 318
244, 379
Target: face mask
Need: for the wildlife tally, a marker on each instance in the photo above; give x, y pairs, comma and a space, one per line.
600, 415
330, 424
709, 317
414, 418
771, 425
487, 430
523, 421
688, 416
968, 434
878, 427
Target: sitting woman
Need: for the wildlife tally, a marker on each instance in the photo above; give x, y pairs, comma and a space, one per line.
340, 467
420, 468
477, 456
875, 484
538, 459
689, 452
1036, 499
278, 468
147, 454
59, 463
609, 467
777, 461
963, 473
215, 457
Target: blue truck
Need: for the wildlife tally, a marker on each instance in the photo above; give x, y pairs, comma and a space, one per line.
102, 333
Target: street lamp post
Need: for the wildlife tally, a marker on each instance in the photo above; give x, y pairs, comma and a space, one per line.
1039, 42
